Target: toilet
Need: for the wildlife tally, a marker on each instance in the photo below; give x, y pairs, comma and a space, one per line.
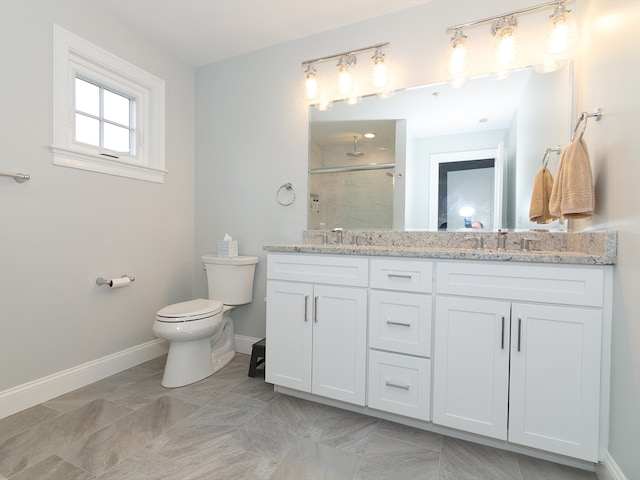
200, 332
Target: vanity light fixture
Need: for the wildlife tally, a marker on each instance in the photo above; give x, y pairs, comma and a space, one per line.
345, 87
311, 85
505, 47
458, 61
345, 83
380, 76
561, 40
558, 46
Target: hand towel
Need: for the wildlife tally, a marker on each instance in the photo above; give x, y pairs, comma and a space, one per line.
573, 195
539, 207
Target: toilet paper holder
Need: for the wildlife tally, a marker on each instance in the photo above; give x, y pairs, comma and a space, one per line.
109, 282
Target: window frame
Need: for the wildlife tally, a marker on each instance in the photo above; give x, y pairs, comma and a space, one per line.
75, 57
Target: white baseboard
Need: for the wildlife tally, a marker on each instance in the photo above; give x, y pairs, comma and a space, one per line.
29, 394
244, 344
609, 469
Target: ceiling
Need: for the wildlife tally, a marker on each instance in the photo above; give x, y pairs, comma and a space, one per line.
200, 32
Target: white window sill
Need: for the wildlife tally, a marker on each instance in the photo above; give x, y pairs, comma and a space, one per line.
108, 165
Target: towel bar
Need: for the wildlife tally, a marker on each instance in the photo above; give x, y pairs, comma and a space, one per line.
18, 177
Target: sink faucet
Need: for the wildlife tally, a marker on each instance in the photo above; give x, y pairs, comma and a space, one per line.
502, 239
338, 232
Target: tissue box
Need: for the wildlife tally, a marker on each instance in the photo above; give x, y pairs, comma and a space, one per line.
228, 249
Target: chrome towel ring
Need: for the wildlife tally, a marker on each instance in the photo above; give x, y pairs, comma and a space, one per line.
288, 192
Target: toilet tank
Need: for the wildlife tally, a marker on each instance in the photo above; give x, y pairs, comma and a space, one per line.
230, 279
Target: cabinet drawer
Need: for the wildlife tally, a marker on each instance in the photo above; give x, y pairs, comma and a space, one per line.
400, 322
567, 284
400, 384
330, 269
405, 275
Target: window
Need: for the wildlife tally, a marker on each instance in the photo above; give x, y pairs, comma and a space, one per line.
108, 115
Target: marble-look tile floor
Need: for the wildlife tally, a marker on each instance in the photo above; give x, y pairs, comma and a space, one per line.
232, 427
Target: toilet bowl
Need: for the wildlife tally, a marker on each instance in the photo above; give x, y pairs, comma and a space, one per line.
200, 332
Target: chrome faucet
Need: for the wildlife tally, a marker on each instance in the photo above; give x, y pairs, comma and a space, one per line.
525, 244
502, 239
338, 231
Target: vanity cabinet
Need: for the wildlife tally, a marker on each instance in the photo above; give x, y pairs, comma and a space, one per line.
400, 307
317, 324
517, 354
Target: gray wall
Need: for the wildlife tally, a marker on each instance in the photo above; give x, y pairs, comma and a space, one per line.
65, 227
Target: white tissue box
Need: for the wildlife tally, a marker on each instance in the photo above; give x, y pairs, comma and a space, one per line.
228, 249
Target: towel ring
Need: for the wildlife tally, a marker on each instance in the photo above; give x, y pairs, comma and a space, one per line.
549, 151
582, 119
287, 187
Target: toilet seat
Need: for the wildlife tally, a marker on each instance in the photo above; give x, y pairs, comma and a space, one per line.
189, 311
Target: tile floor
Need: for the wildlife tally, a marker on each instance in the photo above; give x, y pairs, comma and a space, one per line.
232, 427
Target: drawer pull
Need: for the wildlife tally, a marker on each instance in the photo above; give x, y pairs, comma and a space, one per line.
399, 275
391, 383
403, 324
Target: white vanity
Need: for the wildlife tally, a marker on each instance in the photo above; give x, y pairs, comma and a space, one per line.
510, 353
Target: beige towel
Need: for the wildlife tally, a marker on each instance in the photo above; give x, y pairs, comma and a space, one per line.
539, 207
573, 195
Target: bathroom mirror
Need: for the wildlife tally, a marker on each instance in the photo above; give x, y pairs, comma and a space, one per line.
426, 142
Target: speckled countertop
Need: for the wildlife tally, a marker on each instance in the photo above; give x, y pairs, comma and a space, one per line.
582, 248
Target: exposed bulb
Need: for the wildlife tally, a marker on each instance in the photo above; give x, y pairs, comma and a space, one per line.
562, 35
345, 81
311, 85
459, 58
505, 48
380, 76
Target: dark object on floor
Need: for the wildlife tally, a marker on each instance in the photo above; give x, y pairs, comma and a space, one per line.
258, 355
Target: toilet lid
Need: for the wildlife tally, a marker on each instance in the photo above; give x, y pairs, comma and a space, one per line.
191, 310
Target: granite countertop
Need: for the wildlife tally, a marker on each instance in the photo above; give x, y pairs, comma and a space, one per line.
581, 248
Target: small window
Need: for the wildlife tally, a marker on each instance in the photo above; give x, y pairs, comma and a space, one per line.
104, 118
108, 114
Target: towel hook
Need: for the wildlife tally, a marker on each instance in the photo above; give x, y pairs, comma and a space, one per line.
582, 119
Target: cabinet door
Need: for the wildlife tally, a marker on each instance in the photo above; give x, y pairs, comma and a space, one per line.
471, 365
339, 343
289, 334
555, 379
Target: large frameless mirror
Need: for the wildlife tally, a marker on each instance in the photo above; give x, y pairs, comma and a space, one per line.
439, 158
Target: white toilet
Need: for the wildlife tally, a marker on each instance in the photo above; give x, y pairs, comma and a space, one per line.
200, 332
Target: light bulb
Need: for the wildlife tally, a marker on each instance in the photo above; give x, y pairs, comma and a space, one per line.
459, 55
562, 34
311, 85
345, 82
505, 48
380, 76
458, 63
